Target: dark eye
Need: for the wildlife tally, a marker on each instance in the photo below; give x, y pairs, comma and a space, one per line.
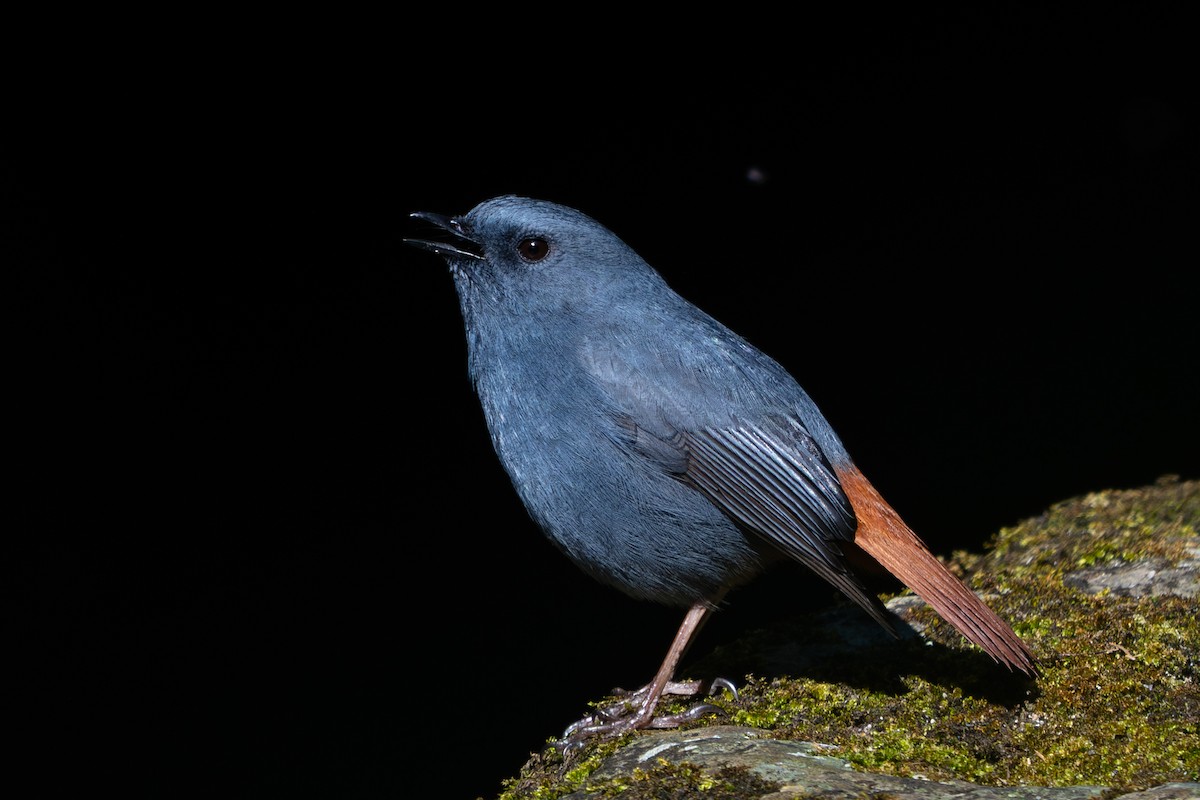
533, 248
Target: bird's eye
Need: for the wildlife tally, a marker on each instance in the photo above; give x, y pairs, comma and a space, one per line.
533, 248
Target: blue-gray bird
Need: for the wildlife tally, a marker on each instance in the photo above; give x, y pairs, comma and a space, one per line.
665, 455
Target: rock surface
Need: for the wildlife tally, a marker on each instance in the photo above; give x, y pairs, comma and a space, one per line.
803, 770
1104, 587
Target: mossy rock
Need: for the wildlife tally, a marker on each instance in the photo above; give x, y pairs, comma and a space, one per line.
1102, 587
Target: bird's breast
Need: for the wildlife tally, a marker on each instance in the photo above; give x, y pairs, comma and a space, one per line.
618, 515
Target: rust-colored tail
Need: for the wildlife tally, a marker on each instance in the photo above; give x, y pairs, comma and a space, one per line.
883, 535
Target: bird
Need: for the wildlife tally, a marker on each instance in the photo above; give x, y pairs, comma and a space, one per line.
660, 451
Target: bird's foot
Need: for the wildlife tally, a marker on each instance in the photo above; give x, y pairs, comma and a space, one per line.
635, 711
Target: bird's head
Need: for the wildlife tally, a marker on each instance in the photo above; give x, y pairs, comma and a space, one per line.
543, 255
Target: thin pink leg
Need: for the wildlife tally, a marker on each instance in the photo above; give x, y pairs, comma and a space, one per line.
608, 721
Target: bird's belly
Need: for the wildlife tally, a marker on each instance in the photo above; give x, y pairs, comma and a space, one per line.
630, 525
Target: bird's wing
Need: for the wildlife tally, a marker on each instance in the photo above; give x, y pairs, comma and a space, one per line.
766, 472
674, 408
774, 481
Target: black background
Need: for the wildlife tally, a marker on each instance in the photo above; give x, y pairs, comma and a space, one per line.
262, 544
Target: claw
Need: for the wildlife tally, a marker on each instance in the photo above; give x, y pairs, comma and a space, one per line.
723, 683
630, 713
684, 688
691, 715
578, 725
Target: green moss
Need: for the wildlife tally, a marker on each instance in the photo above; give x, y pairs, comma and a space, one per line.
1160, 521
670, 781
553, 773
1118, 703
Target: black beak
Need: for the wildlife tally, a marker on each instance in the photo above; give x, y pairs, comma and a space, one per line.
463, 245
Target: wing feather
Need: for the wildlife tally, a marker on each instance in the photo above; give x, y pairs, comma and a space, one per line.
784, 493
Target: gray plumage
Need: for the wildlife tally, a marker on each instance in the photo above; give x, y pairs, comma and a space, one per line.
664, 454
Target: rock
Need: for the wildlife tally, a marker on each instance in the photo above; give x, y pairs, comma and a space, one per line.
1104, 589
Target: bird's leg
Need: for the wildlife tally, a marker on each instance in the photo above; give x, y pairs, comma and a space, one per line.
691, 689
617, 719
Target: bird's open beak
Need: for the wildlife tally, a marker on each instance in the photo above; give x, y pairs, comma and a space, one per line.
463, 245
